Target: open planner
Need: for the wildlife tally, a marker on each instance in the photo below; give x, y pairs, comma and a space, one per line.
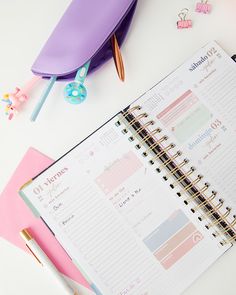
146, 203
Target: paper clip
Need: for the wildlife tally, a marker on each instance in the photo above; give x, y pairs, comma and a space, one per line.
16, 99
75, 92
184, 23
203, 7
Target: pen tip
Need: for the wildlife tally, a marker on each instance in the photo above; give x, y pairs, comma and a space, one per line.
122, 76
121, 71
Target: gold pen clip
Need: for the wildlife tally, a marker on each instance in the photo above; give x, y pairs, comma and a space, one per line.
27, 237
34, 255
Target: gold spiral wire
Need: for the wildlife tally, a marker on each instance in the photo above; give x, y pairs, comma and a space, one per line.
158, 142
177, 168
222, 218
163, 152
143, 127
149, 136
231, 225
192, 184
207, 201
228, 240
224, 230
136, 119
171, 159
198, 193
214, 210
184, 176
129, 111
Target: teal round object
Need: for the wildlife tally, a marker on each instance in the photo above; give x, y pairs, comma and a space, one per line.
75, 93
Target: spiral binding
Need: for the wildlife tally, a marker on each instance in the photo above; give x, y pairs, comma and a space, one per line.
204, 203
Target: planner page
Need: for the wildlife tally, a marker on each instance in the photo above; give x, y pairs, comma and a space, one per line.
196, 107
119, 220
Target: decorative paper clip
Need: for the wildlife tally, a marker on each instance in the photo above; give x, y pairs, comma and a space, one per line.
184, 23
75, 92
16, 99
203, 7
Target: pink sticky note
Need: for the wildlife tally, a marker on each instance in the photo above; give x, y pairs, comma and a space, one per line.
15, 215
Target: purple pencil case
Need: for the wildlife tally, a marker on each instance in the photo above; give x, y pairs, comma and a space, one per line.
83, 34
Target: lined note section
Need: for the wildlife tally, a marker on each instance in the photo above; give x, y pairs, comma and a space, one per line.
173, 239
109, 248
220, 92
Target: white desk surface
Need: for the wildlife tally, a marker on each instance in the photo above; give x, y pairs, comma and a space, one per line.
153, 48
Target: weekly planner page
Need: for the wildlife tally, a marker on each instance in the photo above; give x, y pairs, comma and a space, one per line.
196, 107
119, 220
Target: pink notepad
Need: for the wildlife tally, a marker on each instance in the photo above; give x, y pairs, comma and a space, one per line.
15, 215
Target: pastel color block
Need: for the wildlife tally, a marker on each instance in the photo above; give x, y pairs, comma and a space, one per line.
118, 172
175, 241
182, 250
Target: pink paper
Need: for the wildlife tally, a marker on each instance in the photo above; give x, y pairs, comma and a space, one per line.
15, 215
